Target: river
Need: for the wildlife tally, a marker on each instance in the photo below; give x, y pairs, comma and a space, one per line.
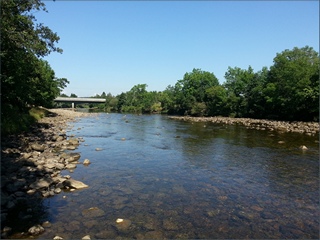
164, 178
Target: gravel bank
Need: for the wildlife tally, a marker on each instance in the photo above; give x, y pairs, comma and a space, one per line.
308, 128
31, 165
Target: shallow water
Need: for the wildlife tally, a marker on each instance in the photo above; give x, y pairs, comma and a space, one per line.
174, 179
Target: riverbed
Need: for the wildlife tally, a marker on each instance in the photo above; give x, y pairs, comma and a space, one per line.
152, 177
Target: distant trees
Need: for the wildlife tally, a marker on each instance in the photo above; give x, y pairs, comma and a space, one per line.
289, 90
139, 100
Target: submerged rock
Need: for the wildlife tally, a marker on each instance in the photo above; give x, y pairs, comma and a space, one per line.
123, 224
93, 212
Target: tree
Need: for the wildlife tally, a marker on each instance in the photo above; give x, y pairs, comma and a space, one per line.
237, 84
72, 95
191, 90
217, 101
25, 77
293, 85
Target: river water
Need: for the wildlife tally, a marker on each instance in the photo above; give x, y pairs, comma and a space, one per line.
173, 179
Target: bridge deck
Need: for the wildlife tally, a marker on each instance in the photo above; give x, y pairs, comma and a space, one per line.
80, 100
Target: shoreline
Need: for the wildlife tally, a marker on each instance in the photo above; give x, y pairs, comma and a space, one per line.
308, 128
31, 165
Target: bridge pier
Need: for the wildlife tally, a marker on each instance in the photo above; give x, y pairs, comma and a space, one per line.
72, 105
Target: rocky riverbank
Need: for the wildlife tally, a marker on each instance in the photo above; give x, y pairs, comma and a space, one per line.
31, 165
308, 128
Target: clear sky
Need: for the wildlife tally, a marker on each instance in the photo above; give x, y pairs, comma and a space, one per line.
110, 46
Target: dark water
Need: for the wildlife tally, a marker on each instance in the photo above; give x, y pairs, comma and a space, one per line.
173, 179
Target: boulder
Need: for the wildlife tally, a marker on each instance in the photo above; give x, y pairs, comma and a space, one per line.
74, 184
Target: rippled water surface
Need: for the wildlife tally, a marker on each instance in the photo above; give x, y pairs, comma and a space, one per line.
174, 179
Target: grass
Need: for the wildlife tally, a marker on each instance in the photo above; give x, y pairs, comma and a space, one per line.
15, 121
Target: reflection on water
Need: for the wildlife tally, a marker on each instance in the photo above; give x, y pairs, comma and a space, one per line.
172, 179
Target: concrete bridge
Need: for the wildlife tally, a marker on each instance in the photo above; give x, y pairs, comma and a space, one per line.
79, 100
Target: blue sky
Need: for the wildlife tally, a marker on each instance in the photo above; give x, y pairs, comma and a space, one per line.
110, 46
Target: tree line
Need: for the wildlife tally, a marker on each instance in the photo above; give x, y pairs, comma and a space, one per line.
288, 90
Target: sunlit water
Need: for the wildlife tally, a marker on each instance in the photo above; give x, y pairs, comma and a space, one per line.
174, 179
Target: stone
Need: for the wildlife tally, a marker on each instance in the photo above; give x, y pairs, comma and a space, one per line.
46, 224
74, 184
57, 190
99, 149
73, 141
303, 147
31, 191
67, 156
86, 162
36, 230
41, 183
93, 212
71, 165
49, 165
123, 224
38, 147
87, 237
57, 238
90, 223
71, 147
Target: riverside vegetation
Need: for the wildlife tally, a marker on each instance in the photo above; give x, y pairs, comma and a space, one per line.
288, 91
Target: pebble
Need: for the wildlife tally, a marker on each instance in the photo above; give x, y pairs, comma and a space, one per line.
39, 158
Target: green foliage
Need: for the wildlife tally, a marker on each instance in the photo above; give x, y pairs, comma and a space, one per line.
26, 78
238, 83
139, 100
217, 101
191, 90
288, 91
293, 85
15, 121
